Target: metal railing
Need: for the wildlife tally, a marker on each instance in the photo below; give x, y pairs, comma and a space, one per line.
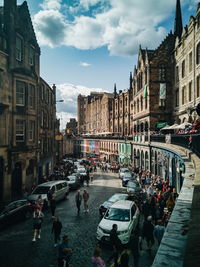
181, 140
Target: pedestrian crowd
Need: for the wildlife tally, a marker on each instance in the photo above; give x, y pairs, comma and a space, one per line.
156, 207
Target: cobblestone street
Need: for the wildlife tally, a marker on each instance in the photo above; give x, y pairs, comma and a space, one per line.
18, 250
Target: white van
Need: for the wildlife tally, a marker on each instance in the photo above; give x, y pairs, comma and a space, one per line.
59, 188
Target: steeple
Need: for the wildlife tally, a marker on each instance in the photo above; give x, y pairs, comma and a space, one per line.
178, 25
115, 90
131, 81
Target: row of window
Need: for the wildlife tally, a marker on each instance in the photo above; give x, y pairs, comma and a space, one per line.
141, 79
21, 131
20, 48
25, 94
46, 95
187, 95
190, 63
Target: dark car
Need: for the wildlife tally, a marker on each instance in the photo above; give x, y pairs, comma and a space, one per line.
114, 198
126, 178
73, 182
133, 187
15, 212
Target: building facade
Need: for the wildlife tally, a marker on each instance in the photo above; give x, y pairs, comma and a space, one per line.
19, 106
94, 113
187, 71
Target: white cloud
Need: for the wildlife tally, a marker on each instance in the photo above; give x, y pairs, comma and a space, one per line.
85, 64
51, 4
69, 93
121, 27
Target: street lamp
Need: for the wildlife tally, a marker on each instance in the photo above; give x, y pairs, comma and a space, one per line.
61, 100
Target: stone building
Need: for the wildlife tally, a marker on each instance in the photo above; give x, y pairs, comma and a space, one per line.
94, 113
19, 107
187, 69
122, 111
71, 126
46, 128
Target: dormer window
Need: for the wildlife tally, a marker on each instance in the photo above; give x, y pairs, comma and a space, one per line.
162, 73
19, 43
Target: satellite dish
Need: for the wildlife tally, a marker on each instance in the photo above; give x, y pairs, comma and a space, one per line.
198, 109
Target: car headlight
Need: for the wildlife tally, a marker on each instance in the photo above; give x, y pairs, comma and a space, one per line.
100, 229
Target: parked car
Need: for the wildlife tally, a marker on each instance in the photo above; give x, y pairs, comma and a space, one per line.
126, 178
59, 188
134, 187
15, 212
114, 198
125, 214
122, 171
73, 182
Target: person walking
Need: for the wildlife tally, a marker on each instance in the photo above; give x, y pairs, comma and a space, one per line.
134, 247
37, 222
53, 205
147, 232
64, 253
87, 177
85, 200
96, 259
78, 199
116, 245
159, 231
56, 230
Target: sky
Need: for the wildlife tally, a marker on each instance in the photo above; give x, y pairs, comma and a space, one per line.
89, 45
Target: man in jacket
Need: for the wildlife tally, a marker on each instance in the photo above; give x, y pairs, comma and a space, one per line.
116, 245
78, 200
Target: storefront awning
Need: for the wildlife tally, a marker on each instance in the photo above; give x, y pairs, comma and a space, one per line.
160, 125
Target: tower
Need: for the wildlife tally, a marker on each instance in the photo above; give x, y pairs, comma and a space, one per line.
178, 25
131, 81
115, 90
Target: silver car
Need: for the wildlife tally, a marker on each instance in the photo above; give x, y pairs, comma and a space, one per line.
59, 188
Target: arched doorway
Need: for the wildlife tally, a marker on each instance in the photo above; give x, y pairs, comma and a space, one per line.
142, 160
138, 158
16, 185
134, 157
146, 161
156, 164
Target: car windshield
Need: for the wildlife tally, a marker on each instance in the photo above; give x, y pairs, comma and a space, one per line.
124, 170
133, 185
41, 190
71, 178
127, 175
115, 198
81, 170
122, 215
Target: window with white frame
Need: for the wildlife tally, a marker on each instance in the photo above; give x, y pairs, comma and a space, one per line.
20, 130
183, 68
190, 92
31, 95
20, 93
198, 54
190, 61
19, 45
31, 56
31, 130
184, 97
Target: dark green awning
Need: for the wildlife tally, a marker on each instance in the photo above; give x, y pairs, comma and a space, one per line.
160, 125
